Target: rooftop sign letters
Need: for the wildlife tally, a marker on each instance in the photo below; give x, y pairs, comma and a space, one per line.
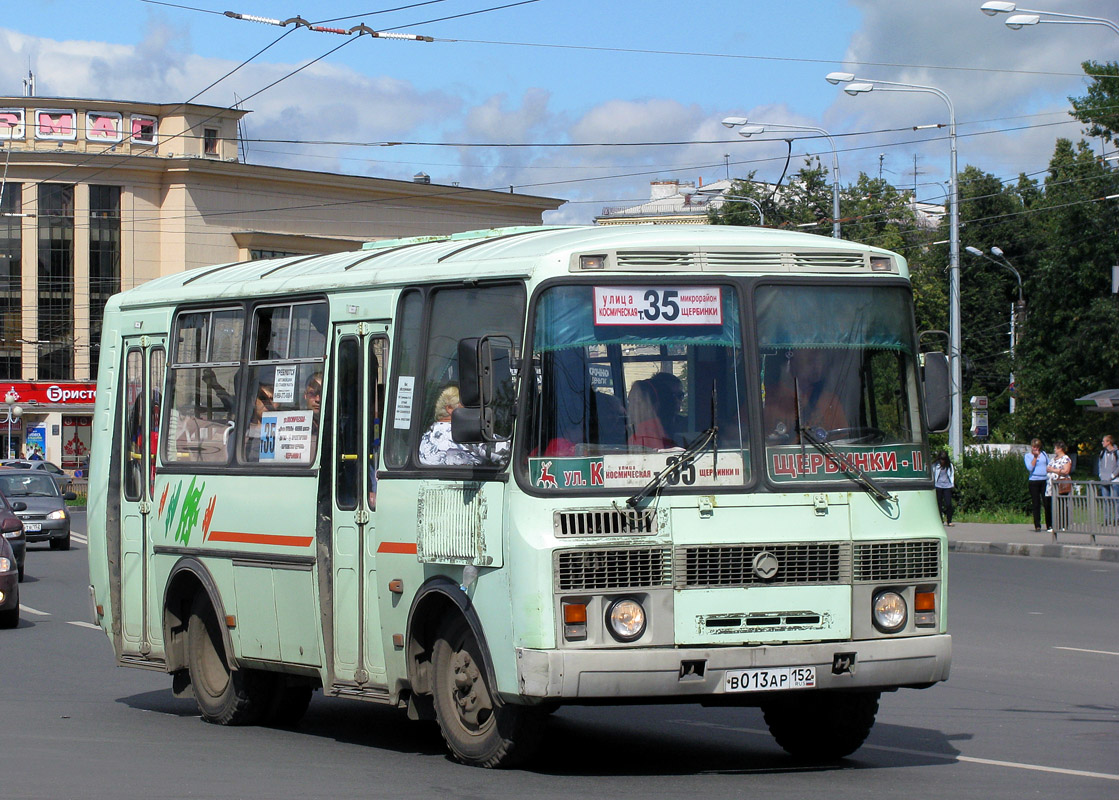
64, 125
46, 393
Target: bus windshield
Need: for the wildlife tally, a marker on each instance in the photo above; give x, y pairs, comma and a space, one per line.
624, 377
839, 361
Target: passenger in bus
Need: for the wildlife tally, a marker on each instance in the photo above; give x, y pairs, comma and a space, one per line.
645, 426
437, 448
820, 409
263, 404
669, 398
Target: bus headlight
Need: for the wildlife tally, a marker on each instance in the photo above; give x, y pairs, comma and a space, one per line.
626, 620
890, 612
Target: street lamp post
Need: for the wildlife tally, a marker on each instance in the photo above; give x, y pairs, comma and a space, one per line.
737, 198
956, 426
14, 412
1016, 309
747, 129
1016, 21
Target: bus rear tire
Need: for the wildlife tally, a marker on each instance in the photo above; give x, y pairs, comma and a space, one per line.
821, 726
479, 729
225, 696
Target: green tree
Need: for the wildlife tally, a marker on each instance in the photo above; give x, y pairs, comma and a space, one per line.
1070, 344
1099, 108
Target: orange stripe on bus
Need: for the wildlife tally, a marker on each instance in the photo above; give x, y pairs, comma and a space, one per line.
260, 538
397, 547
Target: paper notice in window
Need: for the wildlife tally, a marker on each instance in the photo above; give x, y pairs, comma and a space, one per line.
404, 390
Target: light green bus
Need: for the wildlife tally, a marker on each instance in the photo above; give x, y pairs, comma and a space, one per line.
481, 476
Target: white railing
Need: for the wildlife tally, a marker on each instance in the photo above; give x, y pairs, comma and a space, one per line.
1087, 509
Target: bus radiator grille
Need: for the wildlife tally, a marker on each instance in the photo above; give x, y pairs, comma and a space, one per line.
782, 564
609, 570
897, 561
604, 522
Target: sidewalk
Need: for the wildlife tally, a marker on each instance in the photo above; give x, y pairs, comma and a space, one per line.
1021, 540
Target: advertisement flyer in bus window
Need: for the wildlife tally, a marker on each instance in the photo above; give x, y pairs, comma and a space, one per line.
287, 437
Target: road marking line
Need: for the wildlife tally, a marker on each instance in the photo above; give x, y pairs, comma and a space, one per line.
1083, 650
81, 624
79, 537
31, 610
924, 754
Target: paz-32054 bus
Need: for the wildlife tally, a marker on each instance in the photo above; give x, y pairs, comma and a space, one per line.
484, 475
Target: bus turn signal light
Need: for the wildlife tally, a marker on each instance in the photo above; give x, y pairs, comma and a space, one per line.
924, 601
574, 621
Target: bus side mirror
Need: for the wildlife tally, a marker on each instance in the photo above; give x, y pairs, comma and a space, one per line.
934, 378
486, 389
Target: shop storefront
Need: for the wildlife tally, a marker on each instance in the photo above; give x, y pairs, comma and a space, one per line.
53, 420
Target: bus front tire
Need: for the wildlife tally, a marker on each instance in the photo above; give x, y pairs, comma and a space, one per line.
479, 729
821, 726
225, 696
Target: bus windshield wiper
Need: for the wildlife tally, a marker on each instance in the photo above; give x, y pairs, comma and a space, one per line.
857, 473
687, 457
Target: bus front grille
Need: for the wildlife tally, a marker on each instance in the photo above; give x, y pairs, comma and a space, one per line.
612, 569
897, 561
604, 522
762, 564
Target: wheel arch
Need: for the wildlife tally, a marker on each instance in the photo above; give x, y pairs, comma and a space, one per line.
435, 600
186, 580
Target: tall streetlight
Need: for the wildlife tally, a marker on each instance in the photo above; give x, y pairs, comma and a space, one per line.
1016, 311
857, 86
747, 129
13, 412
737, 198
1034, 17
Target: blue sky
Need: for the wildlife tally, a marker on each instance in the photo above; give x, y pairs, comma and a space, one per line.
612, 74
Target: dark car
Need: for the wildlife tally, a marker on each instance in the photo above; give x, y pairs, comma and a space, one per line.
9, 587
55, 471
11, 528
45, 516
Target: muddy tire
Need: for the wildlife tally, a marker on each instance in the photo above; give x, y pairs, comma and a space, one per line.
479, 729
225, 696
821, 726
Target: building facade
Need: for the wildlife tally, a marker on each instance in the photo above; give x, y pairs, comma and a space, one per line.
98, 196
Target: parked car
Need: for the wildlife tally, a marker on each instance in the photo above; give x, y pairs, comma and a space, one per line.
45, 516
11, 529
9, 586
56, 472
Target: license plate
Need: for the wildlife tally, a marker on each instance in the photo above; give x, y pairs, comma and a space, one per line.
768, 680
32, 527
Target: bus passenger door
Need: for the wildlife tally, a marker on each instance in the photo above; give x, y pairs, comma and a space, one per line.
359, 356
145, 363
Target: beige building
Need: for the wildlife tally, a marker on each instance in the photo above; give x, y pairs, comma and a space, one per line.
98, 196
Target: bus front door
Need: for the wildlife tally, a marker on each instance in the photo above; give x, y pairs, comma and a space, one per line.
145, 360
358, 652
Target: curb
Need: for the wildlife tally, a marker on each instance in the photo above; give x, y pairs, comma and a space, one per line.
1077, 551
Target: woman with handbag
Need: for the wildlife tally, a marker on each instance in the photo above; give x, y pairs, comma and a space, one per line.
1060, 483
944, 480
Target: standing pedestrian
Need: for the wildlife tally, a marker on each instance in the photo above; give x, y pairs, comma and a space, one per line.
1036, 463
1107, 471
944, 479
1059, 483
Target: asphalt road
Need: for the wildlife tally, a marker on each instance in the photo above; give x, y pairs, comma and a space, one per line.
1031, 710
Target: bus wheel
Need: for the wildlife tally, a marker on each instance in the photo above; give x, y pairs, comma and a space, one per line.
479, 729
225, 696
821, 725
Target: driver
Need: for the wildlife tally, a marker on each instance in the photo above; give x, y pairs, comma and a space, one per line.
813, 372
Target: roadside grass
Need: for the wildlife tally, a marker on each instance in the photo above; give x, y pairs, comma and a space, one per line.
999, 516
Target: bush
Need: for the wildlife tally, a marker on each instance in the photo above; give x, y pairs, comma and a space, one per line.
989, 482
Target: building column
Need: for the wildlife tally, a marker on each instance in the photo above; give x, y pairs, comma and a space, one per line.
30, 287
82, 339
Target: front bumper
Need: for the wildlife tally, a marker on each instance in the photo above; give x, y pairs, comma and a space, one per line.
659, 673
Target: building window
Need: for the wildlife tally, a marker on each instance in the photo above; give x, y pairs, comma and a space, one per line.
11, 270
104, 261
56, 281
210, 141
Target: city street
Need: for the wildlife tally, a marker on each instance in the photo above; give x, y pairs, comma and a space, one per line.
1031, 710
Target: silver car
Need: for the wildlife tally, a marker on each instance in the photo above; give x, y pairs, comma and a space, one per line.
56, 472
45, 516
